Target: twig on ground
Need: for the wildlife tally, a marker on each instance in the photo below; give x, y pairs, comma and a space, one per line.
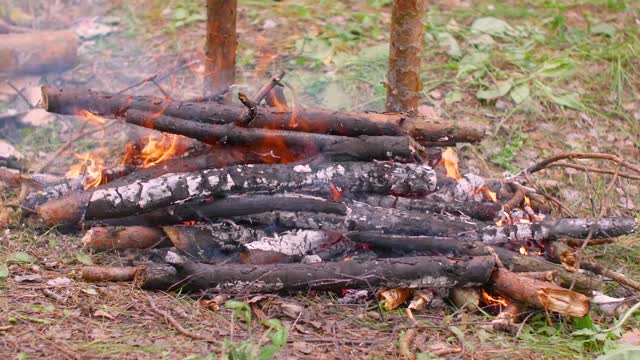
166, 94
545, 163
593, 169
177, 325
19, 92
150, 78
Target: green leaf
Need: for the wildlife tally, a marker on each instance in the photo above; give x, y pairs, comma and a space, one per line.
583, 323
446, 40
571, 101
490, 25
605, 29
4, 271
520, 93
21, 258
556, 68
84, 258
453, 97
180, 14
268, 351
501, 89
471, 62
584, 332
622, 352
22, 356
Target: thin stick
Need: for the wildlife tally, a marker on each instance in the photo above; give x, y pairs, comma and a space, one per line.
19, 92
64, 147
593, 169
150, 78
264, 90
166, 94
545, 163
177, 325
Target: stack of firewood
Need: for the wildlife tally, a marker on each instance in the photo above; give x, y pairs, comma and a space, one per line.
288, 200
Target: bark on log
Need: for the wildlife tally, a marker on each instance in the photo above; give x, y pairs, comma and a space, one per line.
540, 294
38, 52
405, 47
512, 260
123, 237
331, 122
410, 272
220, 46
103, 273
144, 196
291, 145
485, 211
209, 209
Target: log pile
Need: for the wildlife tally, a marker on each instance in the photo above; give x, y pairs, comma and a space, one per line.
310, 199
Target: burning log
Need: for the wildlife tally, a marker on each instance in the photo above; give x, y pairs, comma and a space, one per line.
410, 272
119, 238
38, 52
320, 121
292, 144
540, 294
143, 196
485, 211
447, 245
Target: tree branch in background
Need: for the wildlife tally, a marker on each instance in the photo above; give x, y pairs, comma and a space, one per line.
220, 46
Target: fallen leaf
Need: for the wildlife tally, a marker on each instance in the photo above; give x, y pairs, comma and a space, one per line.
90, 291
104, 314
605, 29
631, 337
502, 88
20, 258
291, 310
59, 281
4, 271
84, 258
520, 93
446, 40
490, 25
394, 297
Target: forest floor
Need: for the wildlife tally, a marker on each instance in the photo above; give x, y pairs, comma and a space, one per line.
544, 78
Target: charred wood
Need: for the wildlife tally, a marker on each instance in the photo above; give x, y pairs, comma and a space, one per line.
144, 196
410, 272
485, 211
68, 101
512, 260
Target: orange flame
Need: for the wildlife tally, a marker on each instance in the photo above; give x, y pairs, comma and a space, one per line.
159, 150
523, 250
336, 194
450, 161
492, 300
91, 167
527, 201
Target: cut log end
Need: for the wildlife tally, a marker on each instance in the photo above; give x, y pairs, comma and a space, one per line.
118, 238
102, 273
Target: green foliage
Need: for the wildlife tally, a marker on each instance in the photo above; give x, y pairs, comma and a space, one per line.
273, 340
20, 257
185, 13
504, 157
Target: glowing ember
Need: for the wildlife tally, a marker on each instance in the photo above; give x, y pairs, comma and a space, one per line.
488, 194
336, 194
159, 150
523, 250
527, 201
90, 167
450, 161
491, 300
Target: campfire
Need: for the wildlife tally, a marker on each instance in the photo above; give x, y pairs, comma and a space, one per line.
260, 196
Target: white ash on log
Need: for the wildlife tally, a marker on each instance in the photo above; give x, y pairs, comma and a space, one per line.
38, 52
143, 196
209, 243
426, 132
410, 272
485, 211
123, 237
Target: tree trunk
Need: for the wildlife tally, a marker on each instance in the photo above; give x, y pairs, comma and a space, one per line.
405, 47
38, 52
409, 272
220, 46
320, 121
